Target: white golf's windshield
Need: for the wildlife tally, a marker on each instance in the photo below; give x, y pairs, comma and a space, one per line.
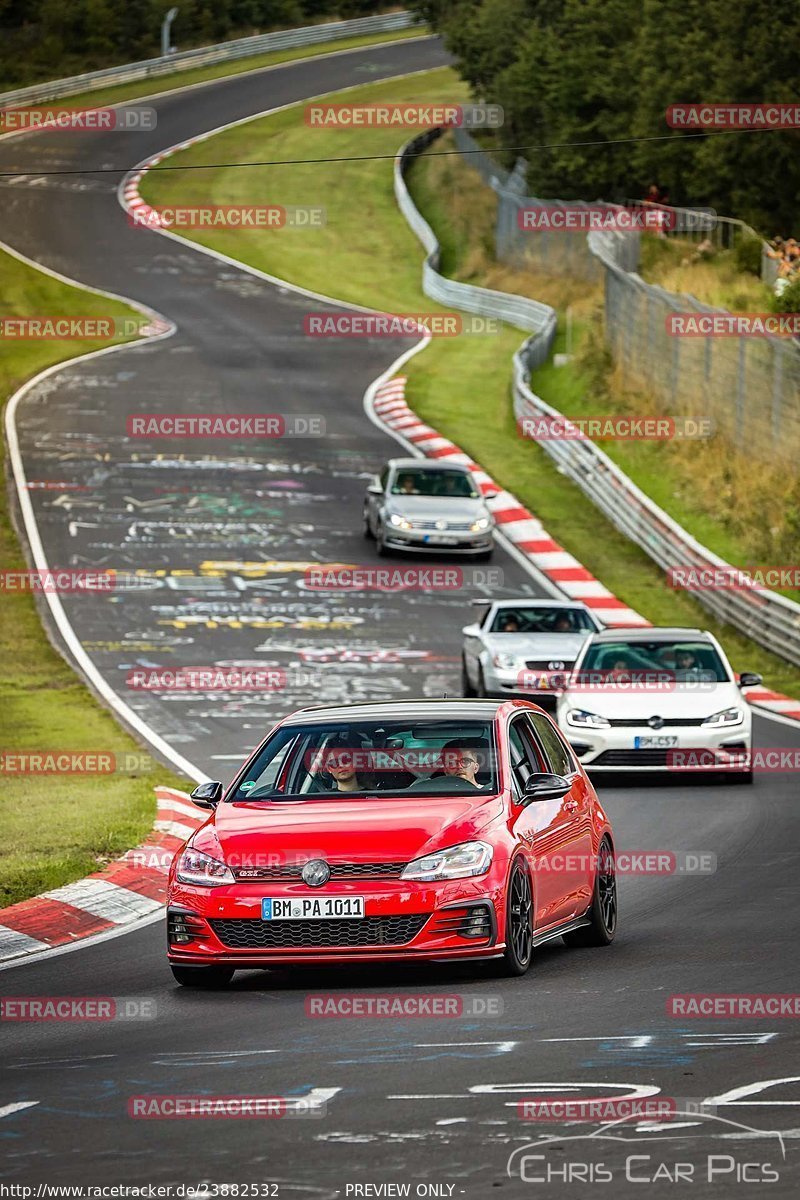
372, 757
685, 660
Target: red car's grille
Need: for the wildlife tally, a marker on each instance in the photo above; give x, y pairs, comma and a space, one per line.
244, 933
351, 870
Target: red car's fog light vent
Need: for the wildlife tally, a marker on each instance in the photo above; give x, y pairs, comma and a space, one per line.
183, 927
473, 922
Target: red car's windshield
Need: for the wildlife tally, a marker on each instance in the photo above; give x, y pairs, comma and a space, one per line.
385, 757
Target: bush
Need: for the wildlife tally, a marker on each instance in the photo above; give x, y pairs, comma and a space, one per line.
748, 254
789, 299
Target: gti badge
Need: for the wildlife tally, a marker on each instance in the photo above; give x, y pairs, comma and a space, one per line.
656, 722
316, 872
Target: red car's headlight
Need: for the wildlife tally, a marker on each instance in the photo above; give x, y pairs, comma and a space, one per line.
202, 870
456, 862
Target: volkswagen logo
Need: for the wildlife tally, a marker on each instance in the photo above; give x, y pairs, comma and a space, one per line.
656, 722
316, 872
440, 524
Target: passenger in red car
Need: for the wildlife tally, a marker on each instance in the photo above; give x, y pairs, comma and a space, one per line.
345, 775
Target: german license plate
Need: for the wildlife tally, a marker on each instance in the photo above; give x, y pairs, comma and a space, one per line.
532, 679
655, 741
438, 539
312, 908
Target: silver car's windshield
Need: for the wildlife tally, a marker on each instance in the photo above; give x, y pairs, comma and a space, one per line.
518, 619
367, 757
450, 484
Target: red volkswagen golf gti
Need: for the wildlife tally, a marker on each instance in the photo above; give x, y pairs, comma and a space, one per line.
432, 829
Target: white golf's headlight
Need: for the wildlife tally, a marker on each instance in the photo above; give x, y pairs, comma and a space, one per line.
728, 716
399, 522
481, 523
456, 862
587, 720
201, 870
505, 662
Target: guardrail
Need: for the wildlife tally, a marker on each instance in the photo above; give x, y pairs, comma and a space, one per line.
208, 55
768, 618
518, 311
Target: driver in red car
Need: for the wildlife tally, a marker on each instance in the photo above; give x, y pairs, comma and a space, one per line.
461, 762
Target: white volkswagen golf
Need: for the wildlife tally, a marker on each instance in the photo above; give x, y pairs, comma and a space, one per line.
657, 700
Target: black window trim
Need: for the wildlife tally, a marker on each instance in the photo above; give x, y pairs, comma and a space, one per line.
543, 750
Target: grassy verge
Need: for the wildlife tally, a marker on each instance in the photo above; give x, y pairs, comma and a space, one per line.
55, 828
367, 254
152, 86
714, 278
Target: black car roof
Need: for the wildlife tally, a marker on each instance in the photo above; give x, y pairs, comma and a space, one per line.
403, 710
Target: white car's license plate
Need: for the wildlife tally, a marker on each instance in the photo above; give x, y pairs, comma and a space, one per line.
438, 539
656, 741
312, 908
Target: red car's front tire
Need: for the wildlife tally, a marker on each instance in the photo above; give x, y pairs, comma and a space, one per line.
519, 922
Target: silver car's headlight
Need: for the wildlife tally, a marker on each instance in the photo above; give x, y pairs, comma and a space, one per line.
456, 862
481, 523
728, 716
399, 522
202, 870
505, 662
590, 720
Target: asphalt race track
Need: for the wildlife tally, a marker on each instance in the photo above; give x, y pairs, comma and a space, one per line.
424, 1101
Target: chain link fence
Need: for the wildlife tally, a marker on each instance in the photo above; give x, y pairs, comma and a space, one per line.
748, 385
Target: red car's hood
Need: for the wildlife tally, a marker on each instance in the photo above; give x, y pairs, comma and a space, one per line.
386, 830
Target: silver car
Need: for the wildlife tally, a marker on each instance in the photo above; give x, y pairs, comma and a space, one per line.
521, 647
425, 506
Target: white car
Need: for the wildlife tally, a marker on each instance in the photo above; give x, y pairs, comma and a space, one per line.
657, 700
522, 647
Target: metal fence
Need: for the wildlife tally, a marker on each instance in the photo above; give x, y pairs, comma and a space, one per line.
749, 386
768, 618
208, 55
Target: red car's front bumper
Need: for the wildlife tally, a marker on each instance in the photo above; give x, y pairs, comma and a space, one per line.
462, 918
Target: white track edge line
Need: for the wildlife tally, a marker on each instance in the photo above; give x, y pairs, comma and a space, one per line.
82, 659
